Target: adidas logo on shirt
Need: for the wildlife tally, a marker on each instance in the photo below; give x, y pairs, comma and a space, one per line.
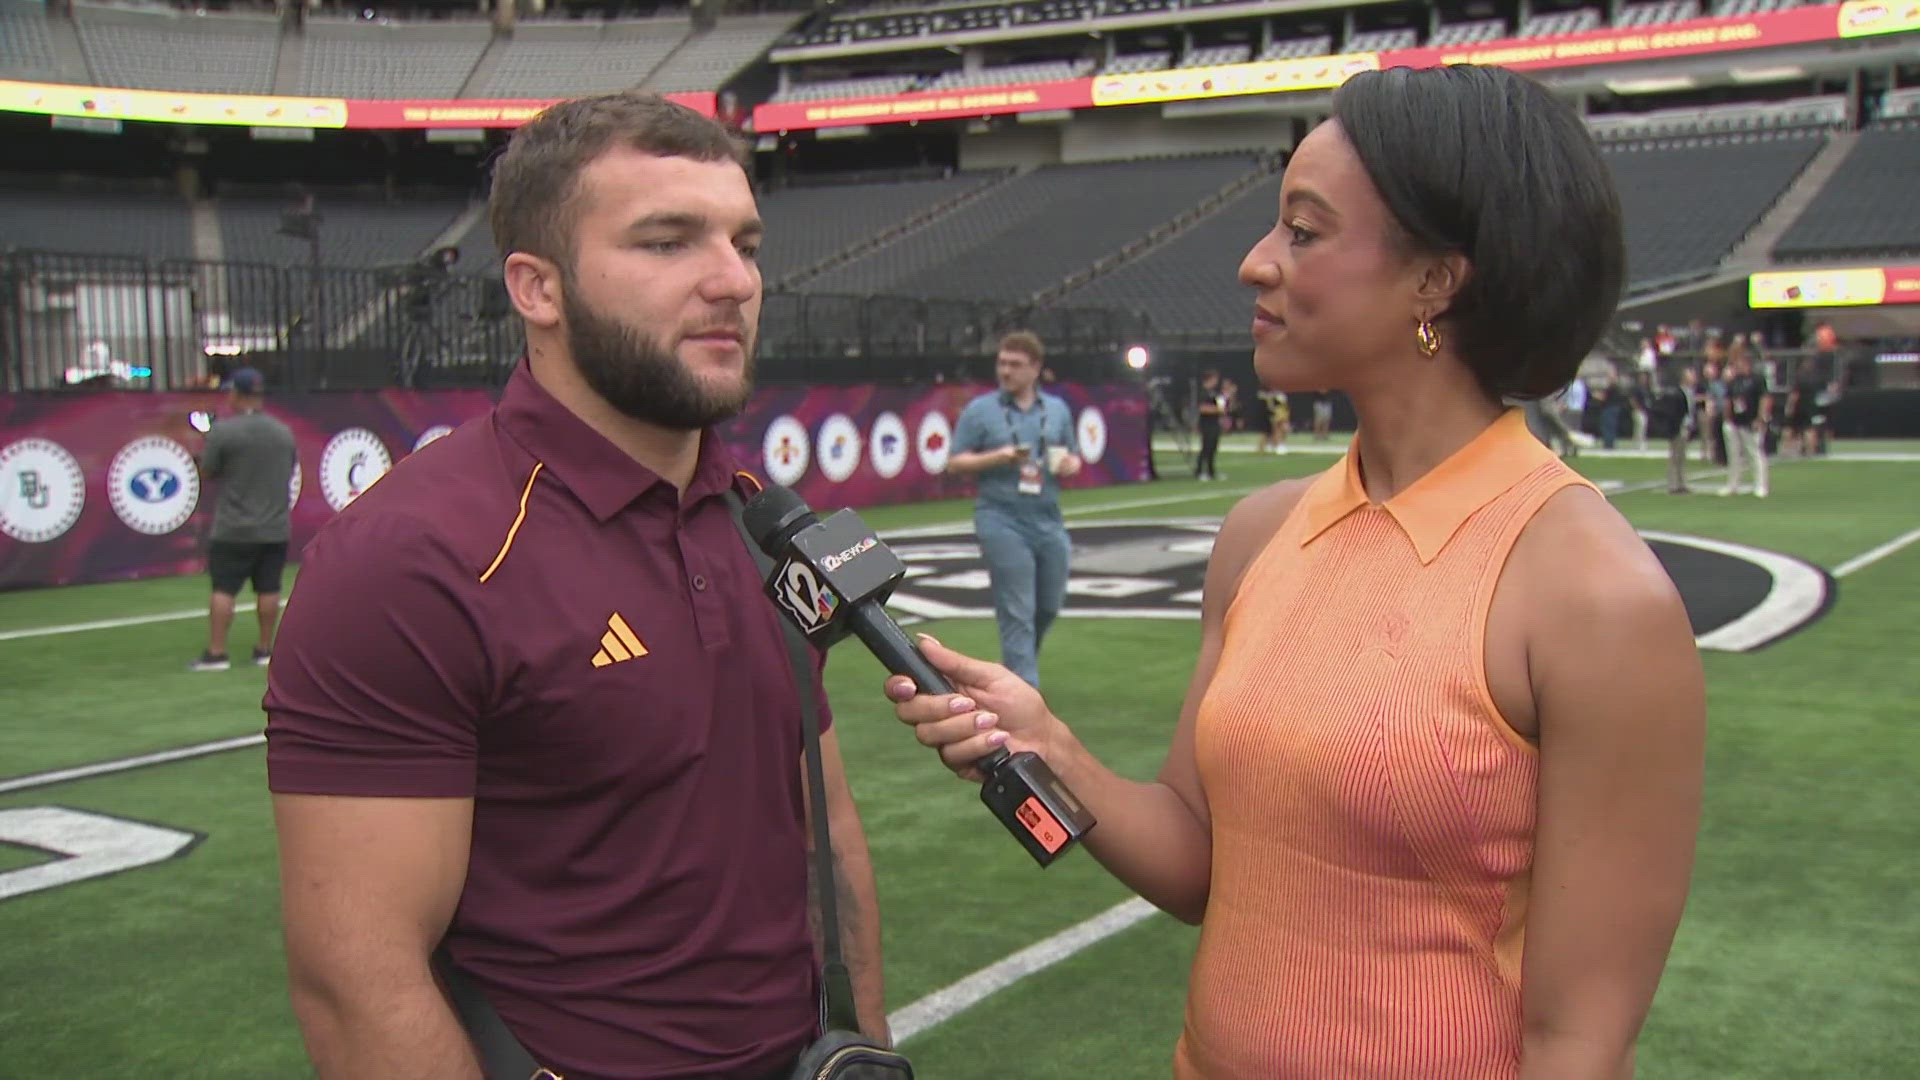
618, 643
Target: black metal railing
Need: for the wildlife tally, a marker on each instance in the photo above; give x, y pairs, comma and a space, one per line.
174, 324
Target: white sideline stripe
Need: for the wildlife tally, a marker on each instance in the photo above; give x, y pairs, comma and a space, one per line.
81, 772
115, 624
950, 1001
1868, 558
1096, 508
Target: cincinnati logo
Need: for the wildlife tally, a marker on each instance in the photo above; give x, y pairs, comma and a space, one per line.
153, 485
835, 562
42, 490
1738, 598
351, 463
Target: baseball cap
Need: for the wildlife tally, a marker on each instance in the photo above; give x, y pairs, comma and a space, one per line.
246, 380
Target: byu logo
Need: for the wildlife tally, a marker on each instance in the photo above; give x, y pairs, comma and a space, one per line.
153, 485
809, 602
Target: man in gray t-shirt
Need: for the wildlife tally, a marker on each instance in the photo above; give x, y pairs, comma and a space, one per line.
250, 455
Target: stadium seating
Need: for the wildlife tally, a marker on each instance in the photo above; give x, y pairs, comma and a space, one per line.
561, 59
1218, 54
105, 219
994, 247
1405, 37
1469, 33
710, 58
179, 50
1688, 201
1134, 63
1663, 11
26, 52
879, 86
807, 224
1005, 74
1867, 208
352, 58
1298, 48
1558, 23
353, 233
1191, 283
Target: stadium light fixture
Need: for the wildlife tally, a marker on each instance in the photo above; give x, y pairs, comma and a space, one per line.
1137, 357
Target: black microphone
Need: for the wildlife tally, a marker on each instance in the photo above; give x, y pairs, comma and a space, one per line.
832, 578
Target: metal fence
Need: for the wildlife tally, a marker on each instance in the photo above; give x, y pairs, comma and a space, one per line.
171, 324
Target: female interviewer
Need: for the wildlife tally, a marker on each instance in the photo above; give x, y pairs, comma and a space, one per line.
1433, 794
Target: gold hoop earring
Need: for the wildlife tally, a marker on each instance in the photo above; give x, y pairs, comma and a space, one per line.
1427, 338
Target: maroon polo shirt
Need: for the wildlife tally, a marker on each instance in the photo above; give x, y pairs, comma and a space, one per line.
520, 614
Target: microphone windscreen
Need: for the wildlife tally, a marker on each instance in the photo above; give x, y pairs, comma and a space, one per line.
775, 514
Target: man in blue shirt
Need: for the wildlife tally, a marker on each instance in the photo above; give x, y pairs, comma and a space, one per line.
1020, 443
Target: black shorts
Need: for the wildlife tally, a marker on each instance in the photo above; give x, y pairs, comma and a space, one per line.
231, 562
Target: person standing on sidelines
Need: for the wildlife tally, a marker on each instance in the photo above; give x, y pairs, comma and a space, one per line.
1677, 412
1211, 409
1020, 443
251, 456
1749, 408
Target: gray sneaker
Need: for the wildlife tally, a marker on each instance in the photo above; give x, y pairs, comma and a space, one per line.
261, 656
210, 662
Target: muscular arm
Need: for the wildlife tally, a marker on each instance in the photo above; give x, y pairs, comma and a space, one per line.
367, 888
854, 894
1622, 718
1156, 835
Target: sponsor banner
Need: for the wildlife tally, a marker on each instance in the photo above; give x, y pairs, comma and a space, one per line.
1851, 287
1859, 18
1228, 80
933, 105
169, 107
106, 486
1612, 46
264, 110
383, 115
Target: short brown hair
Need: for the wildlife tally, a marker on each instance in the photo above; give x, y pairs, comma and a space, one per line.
1027, 342
534, 204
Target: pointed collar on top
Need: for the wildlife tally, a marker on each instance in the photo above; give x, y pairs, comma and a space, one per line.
599, 474
1432, 508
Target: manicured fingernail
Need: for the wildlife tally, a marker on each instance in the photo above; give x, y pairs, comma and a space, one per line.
985, 720
930, 637
996, 738
959, 704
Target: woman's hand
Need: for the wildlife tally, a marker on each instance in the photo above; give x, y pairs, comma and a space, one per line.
990, 708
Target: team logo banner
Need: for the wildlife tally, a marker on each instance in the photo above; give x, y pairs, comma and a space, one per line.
108, 486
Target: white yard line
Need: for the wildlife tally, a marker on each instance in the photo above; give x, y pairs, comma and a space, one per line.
114, 624
1868, 558
82, 772
950, 1001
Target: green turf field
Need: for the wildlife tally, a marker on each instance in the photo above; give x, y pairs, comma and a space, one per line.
1797, 957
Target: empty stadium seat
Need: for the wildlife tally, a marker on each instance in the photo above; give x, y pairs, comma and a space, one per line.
179, 50
709, 59
1218, 54
807, 224
351, 58
1469, 33
1404, 37
26, 52
561, 60
1034, 230
1867, 207
1298, 48
1688, 201
1135, 63
103, 221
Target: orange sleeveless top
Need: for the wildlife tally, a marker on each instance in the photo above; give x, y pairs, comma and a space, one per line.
1372, 812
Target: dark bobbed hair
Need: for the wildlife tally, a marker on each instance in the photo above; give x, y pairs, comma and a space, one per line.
1487, 163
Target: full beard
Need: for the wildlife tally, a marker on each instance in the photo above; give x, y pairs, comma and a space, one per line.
635, 375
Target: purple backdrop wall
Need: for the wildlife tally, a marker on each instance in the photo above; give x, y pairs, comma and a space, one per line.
103, 487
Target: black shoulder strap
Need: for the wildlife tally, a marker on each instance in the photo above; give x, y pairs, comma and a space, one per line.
839, 1009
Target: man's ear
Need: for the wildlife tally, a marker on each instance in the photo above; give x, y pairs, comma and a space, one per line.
1441, 279
534, 285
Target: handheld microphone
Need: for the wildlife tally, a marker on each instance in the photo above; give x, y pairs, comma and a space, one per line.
832, 578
